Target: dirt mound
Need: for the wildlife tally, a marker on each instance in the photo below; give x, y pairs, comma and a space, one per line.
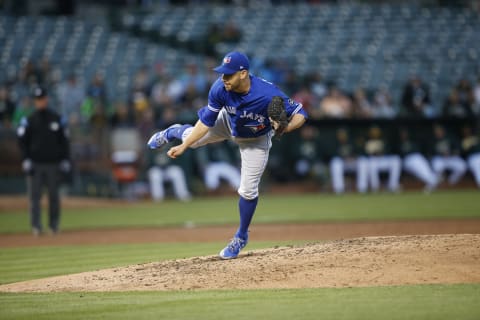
372, 261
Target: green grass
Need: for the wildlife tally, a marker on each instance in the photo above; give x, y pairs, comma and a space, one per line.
18, 264
271, 209
28, 263
406, 302
376, 303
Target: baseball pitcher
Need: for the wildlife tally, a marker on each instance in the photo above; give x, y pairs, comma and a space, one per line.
249, 111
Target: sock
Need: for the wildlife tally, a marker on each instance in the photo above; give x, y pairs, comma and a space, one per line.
177, 132
247, 209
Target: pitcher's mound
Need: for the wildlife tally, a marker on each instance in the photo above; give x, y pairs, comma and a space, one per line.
373, 261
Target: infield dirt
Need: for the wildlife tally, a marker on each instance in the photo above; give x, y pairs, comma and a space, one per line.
371, 261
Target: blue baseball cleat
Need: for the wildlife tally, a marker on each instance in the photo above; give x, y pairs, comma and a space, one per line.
232, 250
159, 139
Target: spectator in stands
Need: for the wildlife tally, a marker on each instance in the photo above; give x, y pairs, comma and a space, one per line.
97, 91
139, 102
453, 108
381, 158
142, 81
161, 94
29, 74
291, 81
305, 96
94, 107
212, 39
45, 73
7, 107
308, 159
471, 152
446, 156
416, 100
275, 70
166, 170
187, 108
207, 68
216, 34
98, 117
382, 106
231, 33
318, 86
193, 78
476, 95
217, 163
414, 162
123, 116
175, 89
319, 90
71, 95
23, 110
139, 97
465, 94
361, 106
145, 123
167, 117
348, 158
334, 105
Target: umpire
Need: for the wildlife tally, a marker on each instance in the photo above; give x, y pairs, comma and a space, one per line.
45, 149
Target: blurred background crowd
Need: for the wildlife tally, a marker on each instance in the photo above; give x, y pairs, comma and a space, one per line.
381, 80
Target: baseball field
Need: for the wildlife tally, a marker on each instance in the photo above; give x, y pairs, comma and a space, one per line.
311, 256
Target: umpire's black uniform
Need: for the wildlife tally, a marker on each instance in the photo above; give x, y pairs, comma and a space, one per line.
45, 148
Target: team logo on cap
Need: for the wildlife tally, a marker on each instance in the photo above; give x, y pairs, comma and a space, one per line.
54, 126
227, 60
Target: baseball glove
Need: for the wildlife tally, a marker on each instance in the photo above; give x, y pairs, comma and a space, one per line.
278, 115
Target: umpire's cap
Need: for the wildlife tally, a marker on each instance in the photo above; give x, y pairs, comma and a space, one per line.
39, 92
233, 62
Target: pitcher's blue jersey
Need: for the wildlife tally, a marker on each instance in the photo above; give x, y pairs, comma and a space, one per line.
248, 112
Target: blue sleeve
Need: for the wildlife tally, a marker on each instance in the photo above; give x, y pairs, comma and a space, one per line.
292, 107
208, 114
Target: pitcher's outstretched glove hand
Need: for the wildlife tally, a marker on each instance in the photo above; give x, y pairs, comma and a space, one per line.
278, 115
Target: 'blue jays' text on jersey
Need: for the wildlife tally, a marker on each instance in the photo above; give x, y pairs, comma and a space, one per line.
248, 112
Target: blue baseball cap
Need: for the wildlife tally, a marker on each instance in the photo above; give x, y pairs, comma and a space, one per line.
233, 62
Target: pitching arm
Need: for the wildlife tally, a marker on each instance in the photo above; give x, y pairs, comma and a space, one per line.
198, 131
295, 122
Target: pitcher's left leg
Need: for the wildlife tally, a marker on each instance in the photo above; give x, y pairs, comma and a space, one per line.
254, 162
